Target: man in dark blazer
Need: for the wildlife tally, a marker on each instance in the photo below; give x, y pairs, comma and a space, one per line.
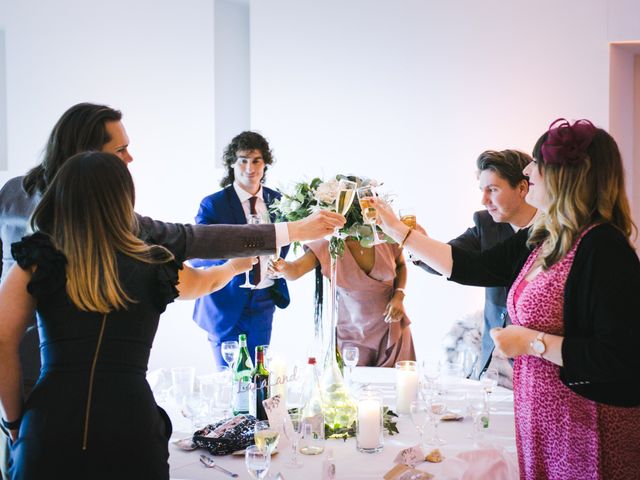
504, 189
233, 309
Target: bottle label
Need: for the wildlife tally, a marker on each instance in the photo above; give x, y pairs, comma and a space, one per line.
241, 391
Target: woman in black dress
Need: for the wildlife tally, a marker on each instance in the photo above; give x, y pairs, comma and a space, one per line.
98, 291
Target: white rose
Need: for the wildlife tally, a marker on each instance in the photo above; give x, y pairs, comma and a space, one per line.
327, 191
295, 204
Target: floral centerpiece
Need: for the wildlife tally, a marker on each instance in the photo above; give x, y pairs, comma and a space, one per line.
307, 197
304, 199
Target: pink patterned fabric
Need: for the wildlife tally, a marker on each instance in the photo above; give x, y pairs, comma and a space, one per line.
362, 300
559, 434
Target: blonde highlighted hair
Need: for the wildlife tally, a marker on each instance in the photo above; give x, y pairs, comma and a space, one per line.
584, 193
88, 213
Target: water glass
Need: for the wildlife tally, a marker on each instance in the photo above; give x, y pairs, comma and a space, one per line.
182, 383
419, 417
489, 381
257, 462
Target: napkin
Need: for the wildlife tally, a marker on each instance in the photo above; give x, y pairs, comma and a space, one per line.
489, 463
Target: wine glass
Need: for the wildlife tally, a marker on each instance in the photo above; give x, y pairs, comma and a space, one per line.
408, 217
437, 406
344, 199
419, 415
257, 462
265, 437
274, 259
489, 380
252, 219
369, 213
477, 410
230, 351
430, 372
292, 432
350, 356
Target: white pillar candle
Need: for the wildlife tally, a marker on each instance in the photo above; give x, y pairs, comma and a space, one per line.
369, 423
406, 386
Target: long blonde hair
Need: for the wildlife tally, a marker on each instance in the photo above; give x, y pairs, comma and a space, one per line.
585, 190
88, 213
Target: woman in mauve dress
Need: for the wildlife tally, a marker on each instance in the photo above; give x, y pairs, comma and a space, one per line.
574, 280
370, 284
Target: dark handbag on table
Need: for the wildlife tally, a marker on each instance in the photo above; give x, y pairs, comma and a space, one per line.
226, 436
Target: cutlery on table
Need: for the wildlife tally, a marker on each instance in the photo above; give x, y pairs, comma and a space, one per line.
211, 463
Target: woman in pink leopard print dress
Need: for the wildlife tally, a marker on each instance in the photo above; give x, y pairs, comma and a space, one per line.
574, 302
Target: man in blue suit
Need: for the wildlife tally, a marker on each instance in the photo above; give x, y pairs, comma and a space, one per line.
233, 309
504, 188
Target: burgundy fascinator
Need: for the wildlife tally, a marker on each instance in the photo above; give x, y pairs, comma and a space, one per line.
567, 144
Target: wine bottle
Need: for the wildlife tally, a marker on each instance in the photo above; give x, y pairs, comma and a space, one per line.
242, 378
259, 387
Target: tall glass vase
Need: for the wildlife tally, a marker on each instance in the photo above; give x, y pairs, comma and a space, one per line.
339, 408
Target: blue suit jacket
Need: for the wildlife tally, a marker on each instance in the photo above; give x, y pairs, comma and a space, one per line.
218, 312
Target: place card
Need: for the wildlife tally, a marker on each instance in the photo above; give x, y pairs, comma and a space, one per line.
411, 456
405, 472
279, 418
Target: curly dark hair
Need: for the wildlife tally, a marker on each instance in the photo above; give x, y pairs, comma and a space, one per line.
245, 141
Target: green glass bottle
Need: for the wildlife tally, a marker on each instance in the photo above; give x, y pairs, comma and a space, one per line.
242, 378
260, 388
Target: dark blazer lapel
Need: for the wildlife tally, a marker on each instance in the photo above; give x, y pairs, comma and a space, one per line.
235, 206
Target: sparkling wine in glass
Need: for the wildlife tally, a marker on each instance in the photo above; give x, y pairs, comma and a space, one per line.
350, 356
265, 437
274, 259
369, 213
252, 219
408, 217
257, 462
230, 351
346, 194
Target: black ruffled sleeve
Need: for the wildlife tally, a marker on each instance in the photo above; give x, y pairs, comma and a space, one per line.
167, 281
38, 250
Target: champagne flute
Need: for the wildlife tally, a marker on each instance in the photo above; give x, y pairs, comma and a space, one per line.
293, 435
257, 462
252, 219
419, 415
230, 351
344, 199
274, 260
350, 356
369, 213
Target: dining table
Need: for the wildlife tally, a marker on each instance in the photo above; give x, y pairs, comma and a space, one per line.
461, 448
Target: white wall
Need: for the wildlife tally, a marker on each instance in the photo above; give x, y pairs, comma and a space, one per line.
410, 92
154, 60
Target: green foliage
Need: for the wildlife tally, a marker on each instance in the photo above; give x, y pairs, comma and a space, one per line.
388, 423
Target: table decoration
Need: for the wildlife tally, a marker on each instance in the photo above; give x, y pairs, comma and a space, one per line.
336, 194
369, 425
407, 382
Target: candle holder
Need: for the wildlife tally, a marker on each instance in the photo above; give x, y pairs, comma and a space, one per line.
407, 381
369, 430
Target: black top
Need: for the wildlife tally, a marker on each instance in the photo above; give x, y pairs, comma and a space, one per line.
601, 309
93, 366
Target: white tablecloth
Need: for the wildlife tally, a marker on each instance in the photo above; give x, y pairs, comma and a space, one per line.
351, 464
